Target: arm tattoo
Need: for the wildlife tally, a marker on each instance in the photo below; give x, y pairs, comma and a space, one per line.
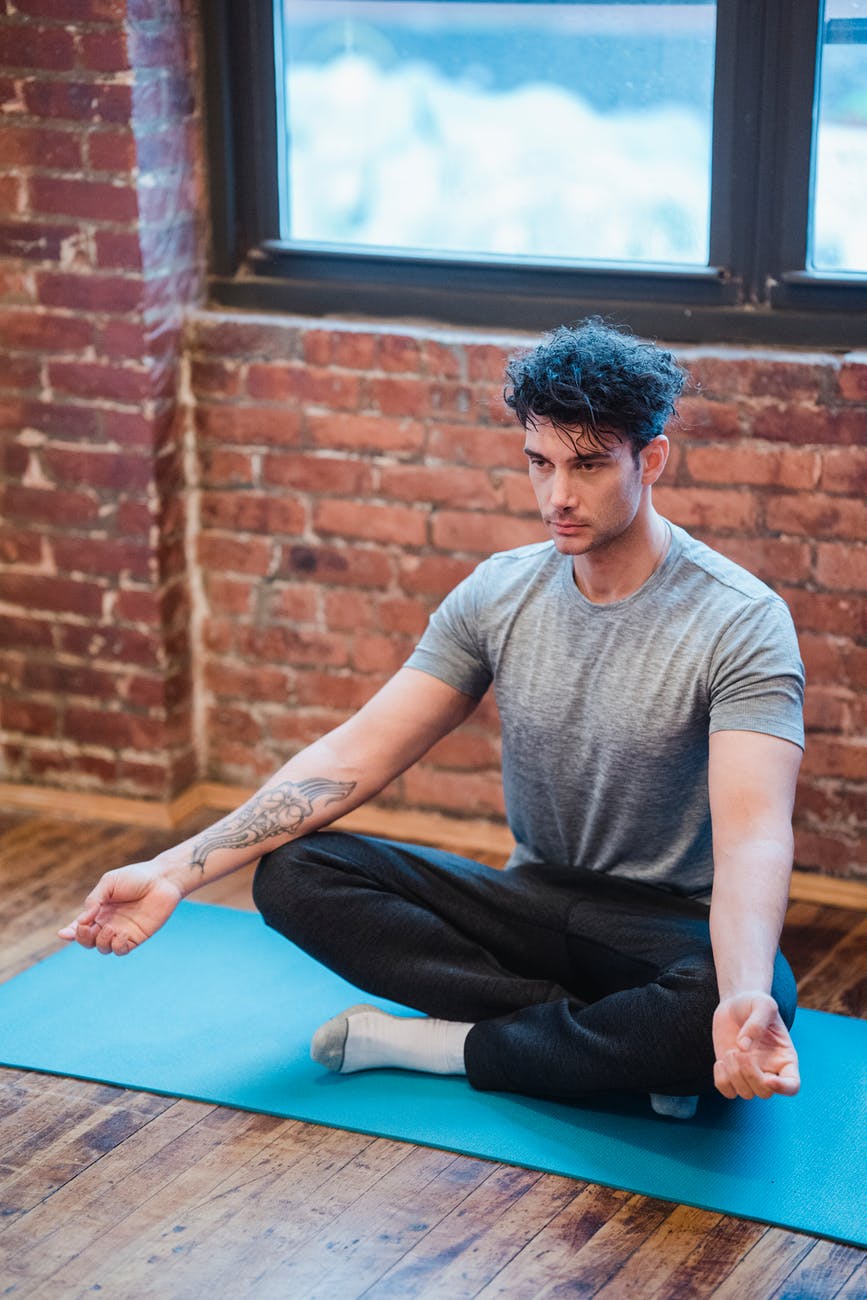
280, 811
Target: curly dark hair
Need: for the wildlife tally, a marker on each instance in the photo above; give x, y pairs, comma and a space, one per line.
596, 378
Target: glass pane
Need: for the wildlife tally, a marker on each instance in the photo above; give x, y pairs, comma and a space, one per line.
839, 230
566, 131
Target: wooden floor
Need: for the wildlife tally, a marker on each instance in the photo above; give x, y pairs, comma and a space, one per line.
133, 1195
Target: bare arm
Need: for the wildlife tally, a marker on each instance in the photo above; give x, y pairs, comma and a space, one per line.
752, 781
329, 778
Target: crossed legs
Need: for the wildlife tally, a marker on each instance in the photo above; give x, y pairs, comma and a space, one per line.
571, 982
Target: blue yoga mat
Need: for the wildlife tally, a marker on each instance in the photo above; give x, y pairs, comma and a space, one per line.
218, 1008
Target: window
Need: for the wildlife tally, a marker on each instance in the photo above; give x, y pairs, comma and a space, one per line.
695, 169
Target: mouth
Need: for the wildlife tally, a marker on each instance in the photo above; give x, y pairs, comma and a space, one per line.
566, 527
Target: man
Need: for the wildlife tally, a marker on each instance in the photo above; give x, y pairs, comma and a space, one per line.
650, 693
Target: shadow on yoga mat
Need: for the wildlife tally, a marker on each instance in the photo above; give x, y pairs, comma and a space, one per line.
218, 1008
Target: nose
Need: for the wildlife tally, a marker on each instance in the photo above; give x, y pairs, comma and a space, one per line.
563, 496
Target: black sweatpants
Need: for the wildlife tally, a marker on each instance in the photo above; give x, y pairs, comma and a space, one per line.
575, 982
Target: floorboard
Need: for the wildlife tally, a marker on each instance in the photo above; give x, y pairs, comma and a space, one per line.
133, 1195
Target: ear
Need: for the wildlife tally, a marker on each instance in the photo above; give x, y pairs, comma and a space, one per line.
653, 459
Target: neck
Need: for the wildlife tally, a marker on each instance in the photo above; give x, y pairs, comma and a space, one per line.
620, 568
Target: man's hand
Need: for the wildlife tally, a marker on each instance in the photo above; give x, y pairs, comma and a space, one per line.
126, 907
755, 1056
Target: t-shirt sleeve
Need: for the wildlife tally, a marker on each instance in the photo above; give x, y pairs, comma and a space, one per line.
451, 647
757, 677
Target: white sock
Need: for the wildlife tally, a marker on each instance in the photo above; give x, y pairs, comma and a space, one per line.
674, 1107
365, 1038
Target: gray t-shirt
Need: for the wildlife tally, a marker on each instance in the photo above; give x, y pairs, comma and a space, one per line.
606, 709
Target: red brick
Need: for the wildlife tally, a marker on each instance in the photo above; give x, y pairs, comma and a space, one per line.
700, 418
346, 611
400, 614
159, 47
34, 241
16, 285
47, 506
109, 556
401, 525
832, 853
249, 512
483, 533
91, 292
249, 424
852, 382
104, 51
302, 727
712, 509
817, 516
318, 347
99, 469
808, 424
226, 468
460, 444
815, 611
339, 568
437, 485
466, 749
103, 383
258, 684
353, 350
304, 384
518, 496
772, 559
399, 352
58, 595
227, 335
120, 250
134, 518
333, 690
123, 339
60, 420
844, 469
25, 633
39, 147
291, 602
49, 48
787, 467
486, 361
20, 373
29, 717
331, 475
12, 195
94, 200
114, 730
113, 644
231, 555
286, 645
429, 787
377, 654
215, 378
391, 395
20, 547
748, 373
366, 433
826, 708
77, 101
443, 360
433, 575
837, 757
841, 566
44, 331
111, 150
73, 10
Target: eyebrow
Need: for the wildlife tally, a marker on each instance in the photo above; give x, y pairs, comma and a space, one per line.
586, 458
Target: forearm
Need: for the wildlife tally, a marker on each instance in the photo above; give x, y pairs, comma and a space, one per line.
748, 907
308, 792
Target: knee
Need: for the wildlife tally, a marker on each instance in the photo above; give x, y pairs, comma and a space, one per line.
274, 877
785, 990
693, 979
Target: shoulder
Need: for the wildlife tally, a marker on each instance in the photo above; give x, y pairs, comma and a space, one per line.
718, 574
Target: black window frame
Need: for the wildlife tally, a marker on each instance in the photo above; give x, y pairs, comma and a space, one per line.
756, 290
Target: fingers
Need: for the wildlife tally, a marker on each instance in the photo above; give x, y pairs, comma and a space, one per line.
90, 931
738, 1074
756, 1025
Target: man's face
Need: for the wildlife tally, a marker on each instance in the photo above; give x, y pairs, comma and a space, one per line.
588, 495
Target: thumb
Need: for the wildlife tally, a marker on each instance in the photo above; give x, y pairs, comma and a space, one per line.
757, 1022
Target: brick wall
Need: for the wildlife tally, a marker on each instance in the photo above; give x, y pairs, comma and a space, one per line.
100, 238
351, 475
340, 478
